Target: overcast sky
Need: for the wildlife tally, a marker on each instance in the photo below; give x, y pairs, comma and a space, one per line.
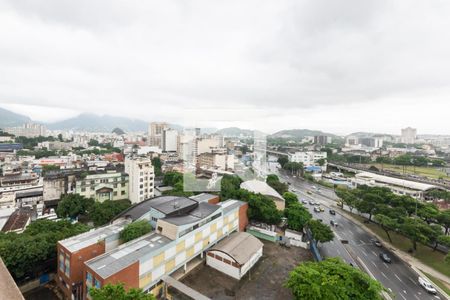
339, 66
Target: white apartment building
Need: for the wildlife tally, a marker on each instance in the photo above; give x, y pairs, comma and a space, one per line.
27, 130
169, 140
308, 158
409, 135
141, 178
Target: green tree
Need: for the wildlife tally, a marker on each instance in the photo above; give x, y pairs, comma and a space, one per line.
73, 205
416, 231
25, 254
172, 178
444, 219
297, 216
290, 199
429, 212
273, 181
135, 230
229, 187
294, 168
282, 160
118, 292
332, 279
156, 162
60, 137
321, 162
387, 224
260, 208
102, 213
48, 168
320, 232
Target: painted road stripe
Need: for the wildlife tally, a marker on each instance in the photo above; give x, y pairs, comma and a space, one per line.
384, 275
398, 278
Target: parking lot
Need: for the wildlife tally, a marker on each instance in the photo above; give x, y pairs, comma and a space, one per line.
264, 281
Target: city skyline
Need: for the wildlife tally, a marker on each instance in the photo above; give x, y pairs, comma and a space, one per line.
373, 66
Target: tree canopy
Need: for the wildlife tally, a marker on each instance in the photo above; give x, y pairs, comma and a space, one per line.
102, 213
320, 232
273, 181
332, 279
73, 205
297, 216
25, 254
118, 292
135, 230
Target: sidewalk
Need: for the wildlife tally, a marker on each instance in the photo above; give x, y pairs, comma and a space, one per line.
412, 261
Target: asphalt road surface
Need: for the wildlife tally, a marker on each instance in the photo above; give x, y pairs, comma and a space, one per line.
397, 276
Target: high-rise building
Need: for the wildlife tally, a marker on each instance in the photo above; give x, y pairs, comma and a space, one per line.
141, 178
322, 140
27, 130
169, 140
155, 132
409, 135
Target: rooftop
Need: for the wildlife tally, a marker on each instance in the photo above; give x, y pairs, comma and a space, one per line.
203, 197
203, 210
91, 237
168, 205
239, 245
260, 187
397, 181
125, 255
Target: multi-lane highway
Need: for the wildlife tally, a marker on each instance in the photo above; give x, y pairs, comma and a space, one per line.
397, 276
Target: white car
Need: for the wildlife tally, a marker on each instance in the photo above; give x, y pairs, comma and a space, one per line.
427, 286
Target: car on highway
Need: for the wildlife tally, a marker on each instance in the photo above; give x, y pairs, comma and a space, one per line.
384, 257
427, 286
309, 192
321, 208
332, 212
376, 242
316, 209
314, 187
304, 201
333, 223
311, 202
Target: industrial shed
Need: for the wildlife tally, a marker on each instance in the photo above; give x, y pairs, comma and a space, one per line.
235, 255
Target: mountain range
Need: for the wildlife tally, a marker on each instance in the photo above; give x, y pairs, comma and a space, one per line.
106, 123
299, 133
11, 119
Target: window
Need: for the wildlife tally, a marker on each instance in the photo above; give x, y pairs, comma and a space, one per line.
97, 283
123, 184
122, 193
83, 189
61, 261
115, 193
154, 219
88, 278
115, 185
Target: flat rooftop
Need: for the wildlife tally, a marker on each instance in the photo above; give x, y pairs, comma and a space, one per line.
91, 237
125, 255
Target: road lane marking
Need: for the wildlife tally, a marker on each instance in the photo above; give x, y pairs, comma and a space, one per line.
374, 264
411, 280
416, 297
364, 253
403, 296
374, 253
384, 275
362, 242
398, 278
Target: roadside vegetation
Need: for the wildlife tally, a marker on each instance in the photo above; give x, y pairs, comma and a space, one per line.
410, 225
134, 230
332, 279
118, 292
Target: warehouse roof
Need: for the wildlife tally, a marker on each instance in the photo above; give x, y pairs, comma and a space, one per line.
396, 181
241, 246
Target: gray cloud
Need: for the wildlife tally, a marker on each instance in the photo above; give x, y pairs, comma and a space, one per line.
153, 58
